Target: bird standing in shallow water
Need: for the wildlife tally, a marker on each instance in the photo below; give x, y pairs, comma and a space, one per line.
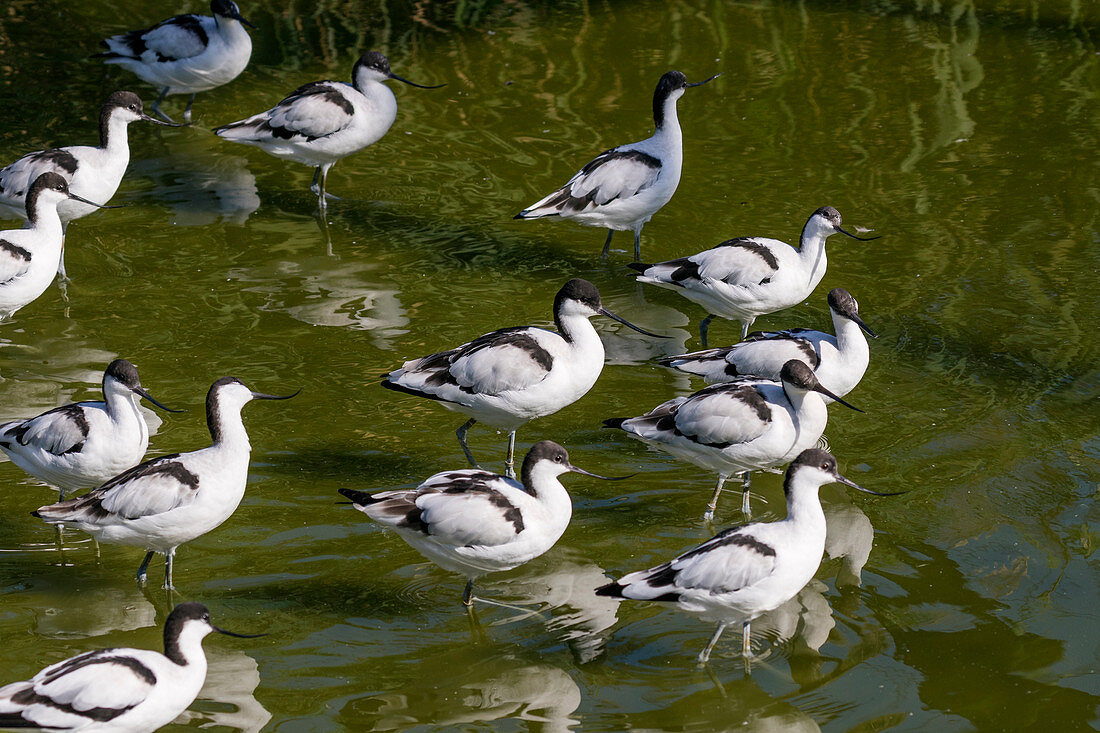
31, 256
838, 361
92, 173
185, 54
745, 571
118, 690
738, 427
83, 444
475, 522
624, 187
169, 500
511, 376
324, 121
750, 276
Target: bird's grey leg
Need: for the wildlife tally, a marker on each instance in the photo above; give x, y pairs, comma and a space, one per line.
638, 245
607, 243
156, 106
320, 176
746, 478
461, 433
703, 326
468, 594
144, 567
187, 109
705, 654
319, 186
510, 461
62, 278
708, 516
746, 641
168, 558
745, 326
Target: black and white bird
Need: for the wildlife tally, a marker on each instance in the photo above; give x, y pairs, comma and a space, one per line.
117, 690
82, 444
185, 54
511, 376
31, 256
745, 571
839, 361
738, 427
750, 276
622, 188
91, 172
172, 499
474, 522
323, 121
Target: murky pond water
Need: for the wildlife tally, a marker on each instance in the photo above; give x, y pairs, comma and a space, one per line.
966, 134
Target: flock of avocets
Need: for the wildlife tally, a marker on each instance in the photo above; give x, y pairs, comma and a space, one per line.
766, 405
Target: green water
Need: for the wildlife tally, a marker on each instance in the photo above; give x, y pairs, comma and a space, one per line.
966, 134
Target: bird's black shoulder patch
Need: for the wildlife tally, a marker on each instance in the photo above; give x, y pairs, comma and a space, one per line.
751, 245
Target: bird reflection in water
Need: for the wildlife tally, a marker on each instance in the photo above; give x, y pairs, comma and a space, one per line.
496, 688
325, 291
565, 593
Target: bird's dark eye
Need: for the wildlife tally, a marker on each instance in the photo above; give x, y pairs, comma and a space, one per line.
559, 458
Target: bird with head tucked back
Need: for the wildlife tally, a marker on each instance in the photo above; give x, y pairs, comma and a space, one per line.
185, 54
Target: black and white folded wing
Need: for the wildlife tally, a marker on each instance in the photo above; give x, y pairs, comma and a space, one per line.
510, 359
15, 261
741, 262
180, 37
310, 112
91, 689
154, 487
762, 355
16, 178
58, 432
717, 417
731, 561
465, 508
616, 174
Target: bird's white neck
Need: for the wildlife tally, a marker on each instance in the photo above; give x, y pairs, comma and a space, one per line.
232, 31
227, 427
45, 221
804, 508
185, 649
542, 483
666, 123
810, 412
113, 136
580, 334
811, 249
380, 97
850, 341
124, 408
